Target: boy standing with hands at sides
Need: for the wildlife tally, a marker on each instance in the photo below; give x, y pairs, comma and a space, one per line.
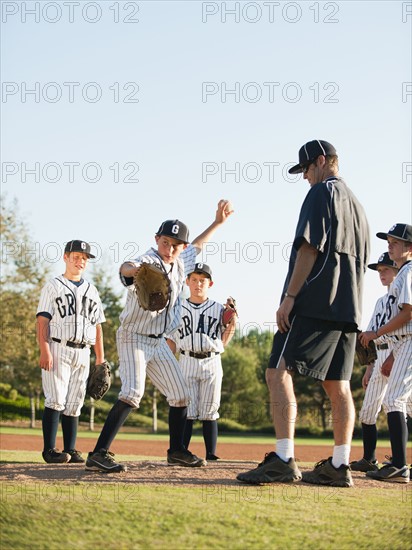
374, 382
142, 346
398, 366
69, 317
201, 339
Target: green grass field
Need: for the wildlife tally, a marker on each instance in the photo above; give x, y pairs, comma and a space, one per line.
123, 515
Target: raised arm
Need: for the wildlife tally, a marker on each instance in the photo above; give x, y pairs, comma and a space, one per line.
224, 210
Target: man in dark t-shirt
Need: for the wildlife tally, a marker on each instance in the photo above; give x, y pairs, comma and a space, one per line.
318, 318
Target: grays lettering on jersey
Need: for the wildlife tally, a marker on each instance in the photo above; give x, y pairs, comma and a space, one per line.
73, 310
400, 292
200, 329
138, 321
380, 317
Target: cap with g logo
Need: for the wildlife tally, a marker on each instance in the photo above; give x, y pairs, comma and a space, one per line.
203, 268
176, 229
383, 260
78, 246
401, 231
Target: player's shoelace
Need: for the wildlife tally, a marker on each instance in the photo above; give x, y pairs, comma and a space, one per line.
321, 463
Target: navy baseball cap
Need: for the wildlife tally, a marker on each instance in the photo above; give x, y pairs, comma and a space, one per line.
203, 268
401, 231
383, 260
176, 229
311, 151
78, 246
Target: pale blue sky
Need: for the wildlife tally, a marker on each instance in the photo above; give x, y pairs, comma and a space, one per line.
344, 81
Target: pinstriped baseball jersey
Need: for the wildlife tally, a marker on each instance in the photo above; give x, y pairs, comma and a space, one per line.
135, 319
400, 292
138, 353
73, 310
381, 315
200, 329
376, 388
399, 389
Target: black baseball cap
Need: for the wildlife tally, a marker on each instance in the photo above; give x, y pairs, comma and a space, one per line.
203, 268
383, 260
401, 231
311, 151
176, 229
78, 246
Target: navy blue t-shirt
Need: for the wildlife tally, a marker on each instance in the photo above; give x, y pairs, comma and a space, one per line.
332, 221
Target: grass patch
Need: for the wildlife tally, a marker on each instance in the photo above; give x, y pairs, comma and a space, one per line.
129, 516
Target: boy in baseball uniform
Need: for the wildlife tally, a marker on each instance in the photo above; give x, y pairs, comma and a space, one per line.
142, 345
398, 366
201, 340
374, 382
69, 317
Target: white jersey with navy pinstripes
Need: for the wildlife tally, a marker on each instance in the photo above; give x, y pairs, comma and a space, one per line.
400, 292
379, 317
200, 329
73, 310
135, 319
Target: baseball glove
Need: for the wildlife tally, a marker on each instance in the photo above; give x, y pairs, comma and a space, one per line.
229, 312
366, 355
99, 380
152, 287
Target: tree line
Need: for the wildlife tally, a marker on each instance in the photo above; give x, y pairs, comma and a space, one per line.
245, 400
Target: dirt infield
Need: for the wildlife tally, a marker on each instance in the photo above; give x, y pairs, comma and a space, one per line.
227, 451
236, 458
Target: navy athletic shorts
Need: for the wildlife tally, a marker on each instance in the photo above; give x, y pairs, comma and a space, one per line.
322, 349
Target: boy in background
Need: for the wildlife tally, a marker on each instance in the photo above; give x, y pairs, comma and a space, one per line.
374, 382
398, 366
69, 317
201, 340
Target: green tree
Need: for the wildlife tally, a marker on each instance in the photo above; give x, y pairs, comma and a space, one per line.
23, 274
244, 397
112, 305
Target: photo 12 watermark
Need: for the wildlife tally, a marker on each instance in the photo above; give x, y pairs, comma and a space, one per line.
69, 172
70, 12
269, 92
53, 492
69, 92
270, 12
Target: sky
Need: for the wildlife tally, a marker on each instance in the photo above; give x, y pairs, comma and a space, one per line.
119, 115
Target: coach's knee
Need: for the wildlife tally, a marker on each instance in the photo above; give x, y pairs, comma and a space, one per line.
274, 377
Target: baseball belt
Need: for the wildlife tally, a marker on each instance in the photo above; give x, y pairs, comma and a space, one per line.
70, 344
202, 355
382, 346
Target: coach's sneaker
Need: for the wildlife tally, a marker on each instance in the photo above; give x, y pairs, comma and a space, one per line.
363, 465
184, 458
103, 461
325, 473
54, 456
211, 456
391, 473
273, 469
75, 457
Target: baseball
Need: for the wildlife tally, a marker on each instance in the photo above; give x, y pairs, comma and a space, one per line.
228, 208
